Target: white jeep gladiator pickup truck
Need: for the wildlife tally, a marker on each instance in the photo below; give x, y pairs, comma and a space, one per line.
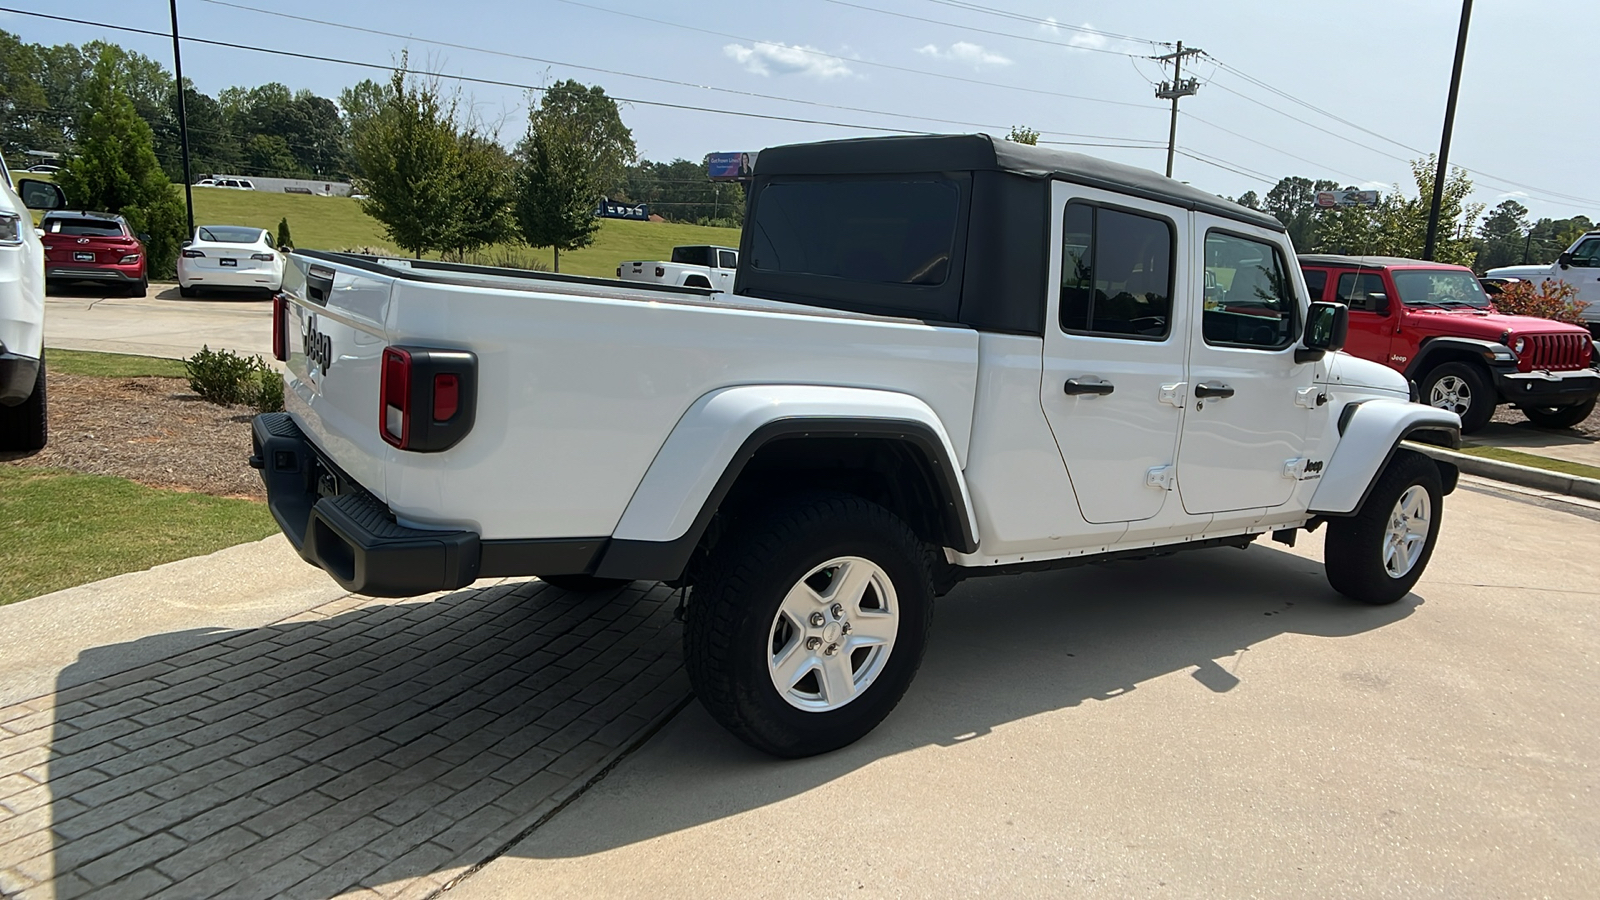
695, 266
1579, 266
943, 357
24, 425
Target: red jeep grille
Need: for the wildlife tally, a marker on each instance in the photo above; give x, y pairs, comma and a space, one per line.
1555, 351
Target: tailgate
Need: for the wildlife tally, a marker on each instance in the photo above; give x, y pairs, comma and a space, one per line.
335, 335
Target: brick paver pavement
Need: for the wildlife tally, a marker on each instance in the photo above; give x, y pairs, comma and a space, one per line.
364, 749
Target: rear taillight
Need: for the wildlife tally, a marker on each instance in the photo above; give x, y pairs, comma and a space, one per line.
427, 398
264, 257
194, 254
280, 318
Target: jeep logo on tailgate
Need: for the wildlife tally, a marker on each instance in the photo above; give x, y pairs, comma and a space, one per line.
318, 346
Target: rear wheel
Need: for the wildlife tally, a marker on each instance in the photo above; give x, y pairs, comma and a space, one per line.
24, 428
1559, 416
138, 288
1377, 555
1463, 389
582, 584
808, 626
188, 291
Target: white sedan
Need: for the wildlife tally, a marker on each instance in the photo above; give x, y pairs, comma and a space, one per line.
229, 256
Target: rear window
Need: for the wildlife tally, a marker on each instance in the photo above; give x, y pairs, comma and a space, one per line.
692, 256
868, 231
229, 234
83, 227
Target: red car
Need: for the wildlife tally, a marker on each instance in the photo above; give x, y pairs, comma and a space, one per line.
1433, 323
93, 246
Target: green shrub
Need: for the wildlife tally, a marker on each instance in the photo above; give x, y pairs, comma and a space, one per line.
228, 379
285, 241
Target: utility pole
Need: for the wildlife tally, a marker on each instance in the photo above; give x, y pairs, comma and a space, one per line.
1449, 125
1172, 90
183, 120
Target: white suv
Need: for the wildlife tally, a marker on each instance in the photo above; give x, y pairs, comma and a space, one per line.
22, 395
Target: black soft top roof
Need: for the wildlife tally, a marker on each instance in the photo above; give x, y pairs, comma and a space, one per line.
980, 152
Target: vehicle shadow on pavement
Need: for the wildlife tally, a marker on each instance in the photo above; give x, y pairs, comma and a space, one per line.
395, 745
1002, 650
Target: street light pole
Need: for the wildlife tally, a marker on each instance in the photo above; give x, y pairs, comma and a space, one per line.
1449, 126
183, 119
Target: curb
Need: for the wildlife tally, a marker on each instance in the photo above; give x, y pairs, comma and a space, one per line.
1526, 476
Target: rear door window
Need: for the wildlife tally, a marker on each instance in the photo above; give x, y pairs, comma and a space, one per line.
1316, 282
727, 259
1362, 292
1116, 273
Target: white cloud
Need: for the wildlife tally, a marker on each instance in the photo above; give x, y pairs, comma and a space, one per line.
1050, 25
963, 52
1085, 41
767, 58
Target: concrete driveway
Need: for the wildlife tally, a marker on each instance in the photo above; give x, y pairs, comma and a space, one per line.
1214, 724
1218, 724
160, 324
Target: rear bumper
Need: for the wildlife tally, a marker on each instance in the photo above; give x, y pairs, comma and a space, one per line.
129, 274
18, 374
339, 527
1547, 388
237, 278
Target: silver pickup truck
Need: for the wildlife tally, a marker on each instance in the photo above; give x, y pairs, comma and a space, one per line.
943, 357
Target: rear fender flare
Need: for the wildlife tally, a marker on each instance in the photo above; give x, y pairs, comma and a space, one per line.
706, 451
1370, 433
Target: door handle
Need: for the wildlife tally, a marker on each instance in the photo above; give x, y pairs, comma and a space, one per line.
1076, 386
1205, 389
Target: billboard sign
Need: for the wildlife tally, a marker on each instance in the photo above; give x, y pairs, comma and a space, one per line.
610, 209
1335, 199
730, 166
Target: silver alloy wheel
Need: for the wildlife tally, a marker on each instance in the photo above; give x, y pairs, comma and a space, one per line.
833, 634
1452, 393
1407, 533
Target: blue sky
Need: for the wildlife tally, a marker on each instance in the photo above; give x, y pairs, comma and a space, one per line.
940, 65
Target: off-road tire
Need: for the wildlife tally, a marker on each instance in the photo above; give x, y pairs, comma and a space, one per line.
583, 584
1352, 554
1482, 399
1559, 416
730, 617
24, 428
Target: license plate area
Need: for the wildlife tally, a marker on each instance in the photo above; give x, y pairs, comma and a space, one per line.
228, 262
82, 256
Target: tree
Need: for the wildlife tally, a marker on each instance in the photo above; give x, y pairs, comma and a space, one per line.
25, 114
1502, 236
433, 185
1022, 134
114, 168
1292, 201
1249, 199
1398, 225
679, 191
269, 154
575, 151
285, 240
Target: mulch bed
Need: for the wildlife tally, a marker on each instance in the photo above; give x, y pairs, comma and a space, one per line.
150, 430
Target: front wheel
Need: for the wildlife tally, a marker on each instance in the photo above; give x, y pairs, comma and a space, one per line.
1559, 416
1377, 555
1461, 388
807, 627
25, 427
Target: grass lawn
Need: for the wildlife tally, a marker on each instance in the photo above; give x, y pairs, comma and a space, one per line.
112, 365
59, 529
1533, 461
334, 223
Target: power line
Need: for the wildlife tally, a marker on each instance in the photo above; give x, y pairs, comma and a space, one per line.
865, 62
1050, 23
971, 28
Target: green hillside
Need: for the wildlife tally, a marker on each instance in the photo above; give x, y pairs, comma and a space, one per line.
335, 223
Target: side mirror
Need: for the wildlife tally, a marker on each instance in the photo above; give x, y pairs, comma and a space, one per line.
1564, 260
38, 194
1327, 326
186, 243
143, 236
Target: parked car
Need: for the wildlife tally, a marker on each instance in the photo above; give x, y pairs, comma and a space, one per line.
229, 256
918, 378
1578, 265
94, 246
237, 184
24, 413
694, 266
44, 169
1435, 324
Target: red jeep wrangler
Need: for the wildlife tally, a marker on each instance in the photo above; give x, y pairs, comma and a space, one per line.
1433, 323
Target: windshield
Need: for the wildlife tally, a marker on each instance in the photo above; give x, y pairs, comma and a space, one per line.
1445, 288
84, 227
229, 234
